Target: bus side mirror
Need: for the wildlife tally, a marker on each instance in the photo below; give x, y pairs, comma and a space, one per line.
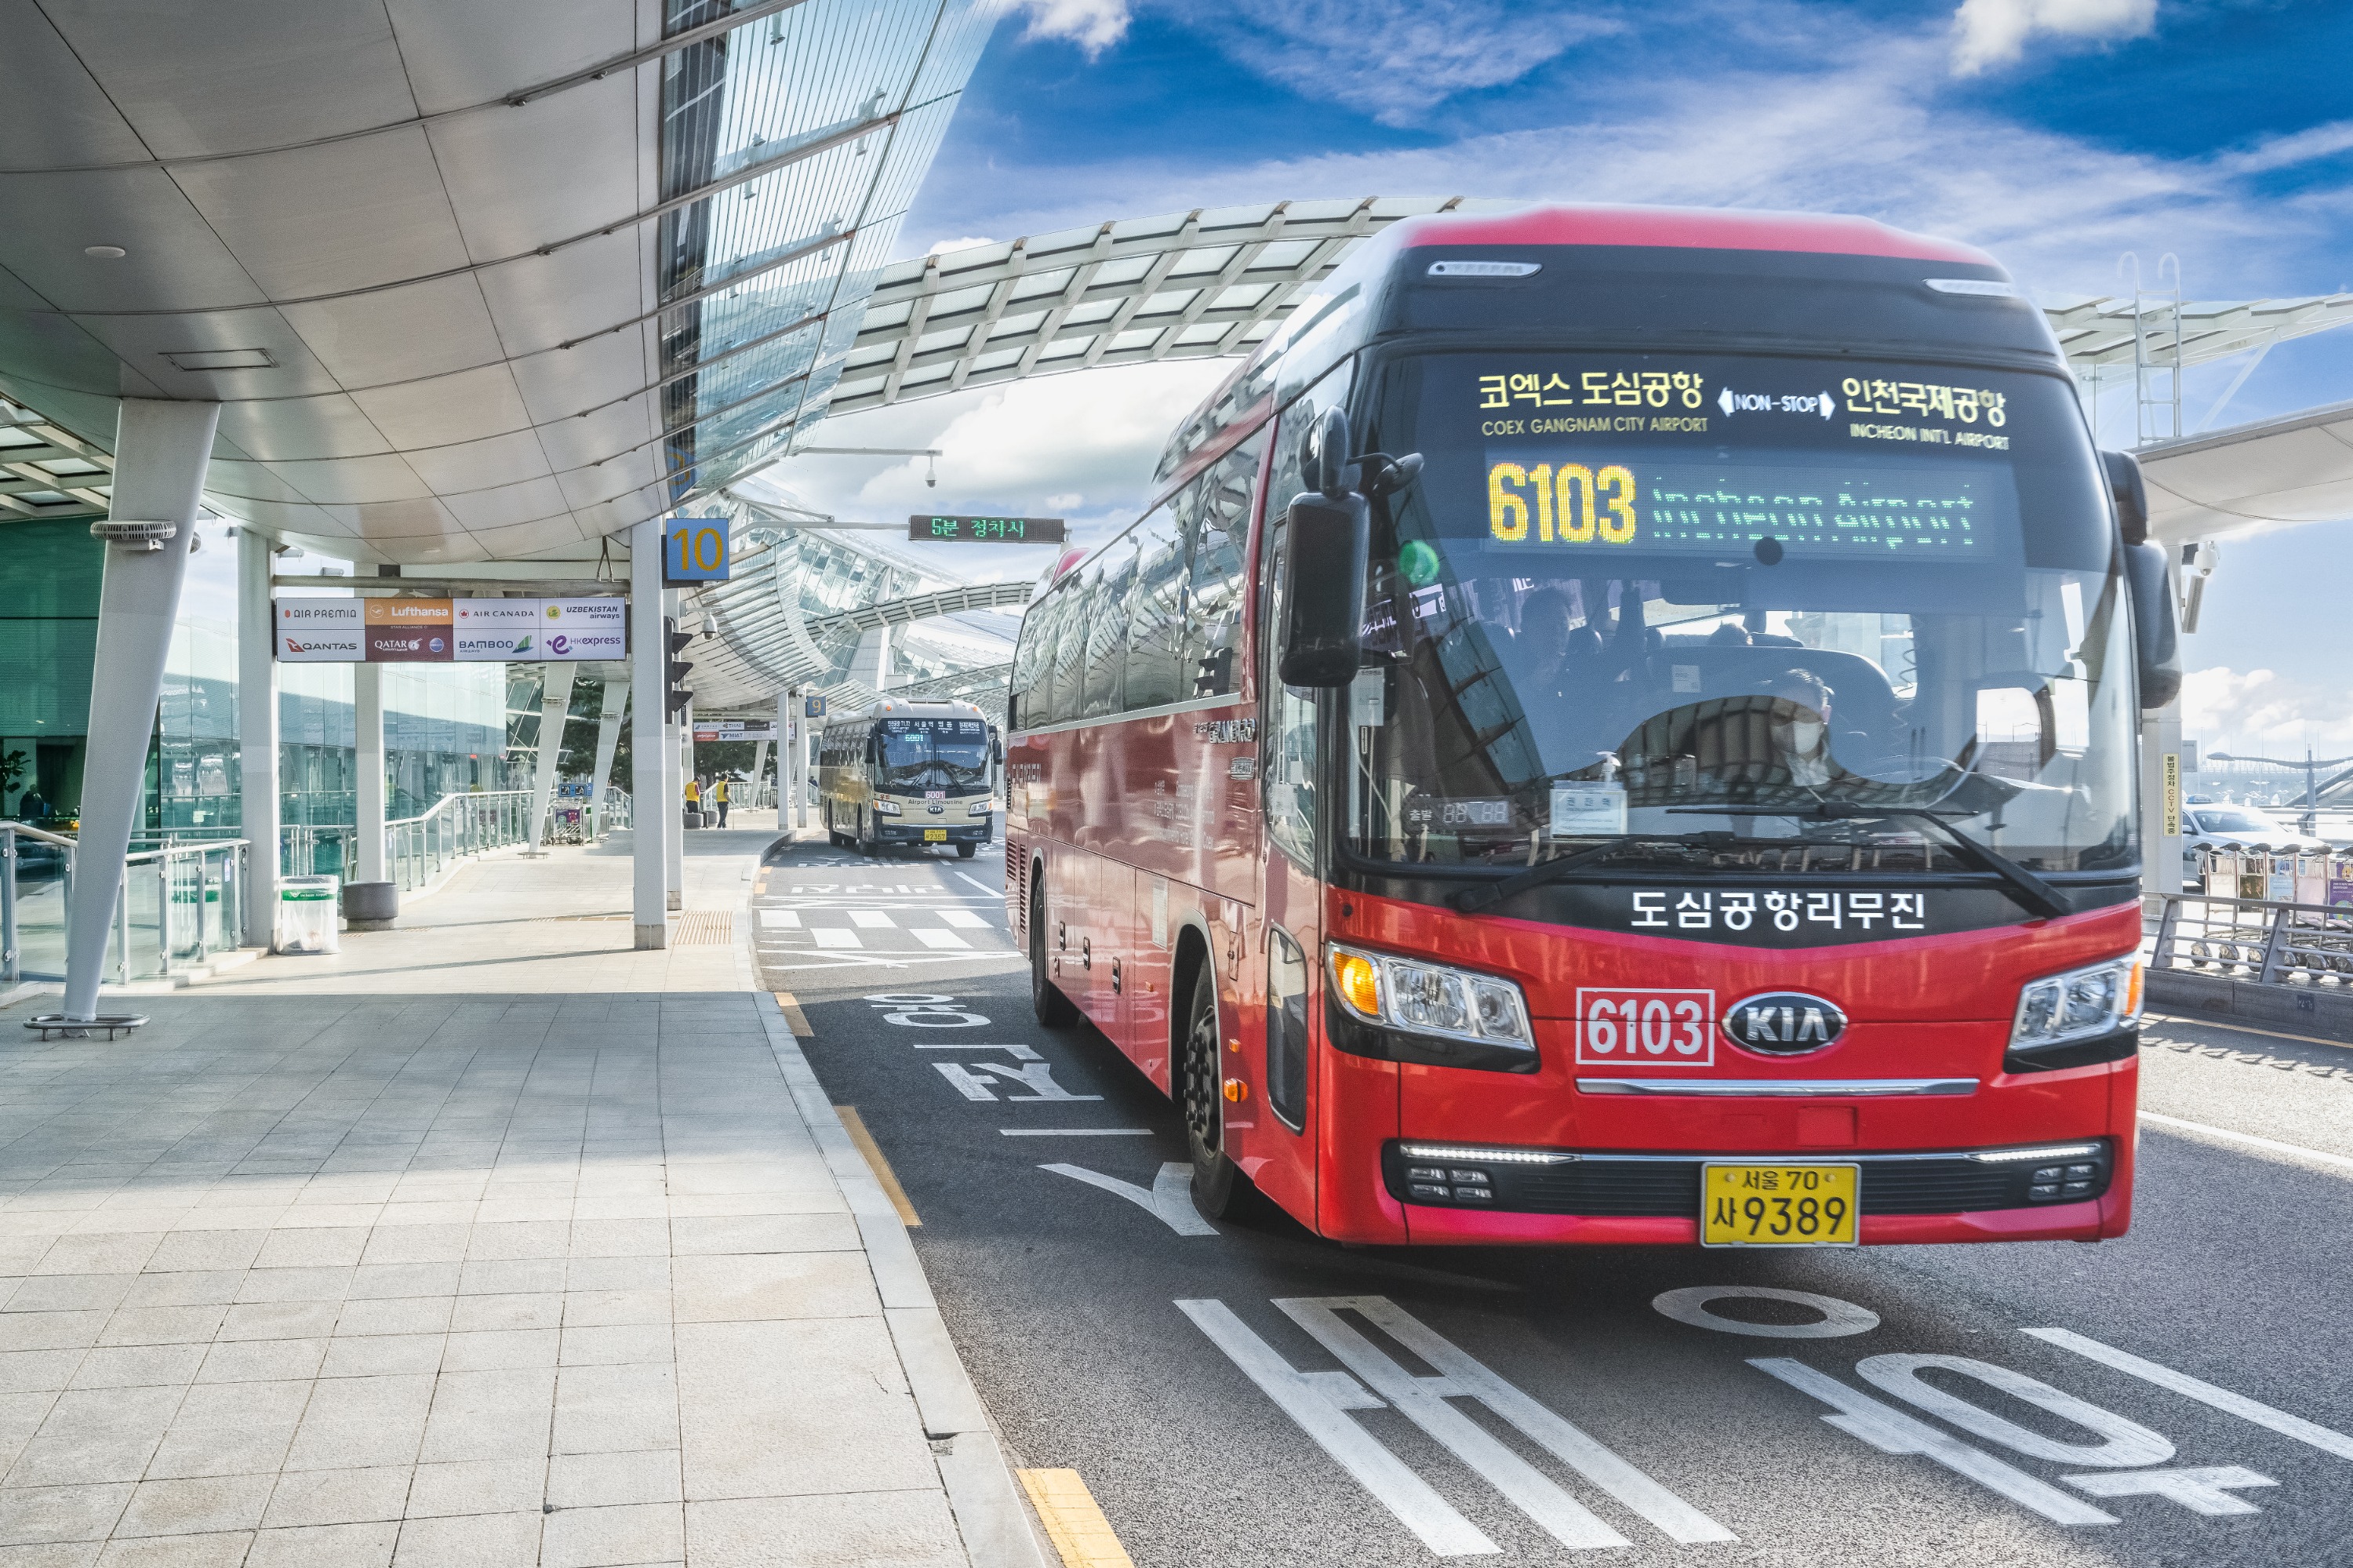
996, 750
2156, 634
2131, 493
1325, 545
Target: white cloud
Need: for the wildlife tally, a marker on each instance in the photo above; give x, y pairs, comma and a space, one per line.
1395, 59
965, 242
1093, 24
2263, 713
1995, 32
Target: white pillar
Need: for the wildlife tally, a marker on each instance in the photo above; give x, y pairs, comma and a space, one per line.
160, 452
608, 741
2161, 796
648, 651
801, 723
671, 800
555, 705
256, 730
758, 780
368, 712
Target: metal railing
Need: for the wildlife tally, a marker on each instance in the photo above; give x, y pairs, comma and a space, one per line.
176, 906
418, 848
2267, 941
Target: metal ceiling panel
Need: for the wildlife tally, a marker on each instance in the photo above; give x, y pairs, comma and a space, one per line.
355, 480
148, 342
51, 112
304, 430
175, 261
584, 291
466, 405
518, 178
467, 467
395, 334
535, 501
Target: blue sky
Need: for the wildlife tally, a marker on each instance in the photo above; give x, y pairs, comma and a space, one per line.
2057, 134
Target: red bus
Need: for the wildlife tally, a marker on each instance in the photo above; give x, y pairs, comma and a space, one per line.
1617, 726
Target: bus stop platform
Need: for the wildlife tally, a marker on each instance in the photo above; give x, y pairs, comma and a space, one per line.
487, 1240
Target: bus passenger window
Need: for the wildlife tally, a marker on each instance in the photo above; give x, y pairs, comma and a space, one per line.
1071, 647
1221, 510
1023, 693
1156, 629
1106, 622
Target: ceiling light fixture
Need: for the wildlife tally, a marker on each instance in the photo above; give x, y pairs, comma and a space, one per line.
105, 252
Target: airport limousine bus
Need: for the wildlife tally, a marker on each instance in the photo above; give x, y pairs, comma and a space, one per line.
1618, 725
907, 773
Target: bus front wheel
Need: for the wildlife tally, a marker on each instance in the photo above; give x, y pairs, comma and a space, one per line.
1052, 1008
1218, 1184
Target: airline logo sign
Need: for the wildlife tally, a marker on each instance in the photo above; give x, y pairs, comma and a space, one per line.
410, 631
440, 630
319, 631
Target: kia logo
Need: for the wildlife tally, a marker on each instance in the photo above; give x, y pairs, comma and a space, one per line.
1784, 1023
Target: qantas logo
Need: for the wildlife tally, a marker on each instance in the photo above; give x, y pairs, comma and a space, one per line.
1784, 1023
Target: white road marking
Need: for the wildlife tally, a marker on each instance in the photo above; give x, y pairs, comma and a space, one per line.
930, 938
871, 918
1074, 1132
964, 919
1168, 1198
829, 936
1319, 1402
2324, 1439
1017, 1051
780, 920
1689, 1305
992, 892
2240, 1029
1424, 1401
2199, 1488
1039, 1075
2297, 1151
970, 1086
2124, 1445
1891, 1430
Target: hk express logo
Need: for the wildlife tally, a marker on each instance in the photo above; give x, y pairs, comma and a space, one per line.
1784, 1023
559, 644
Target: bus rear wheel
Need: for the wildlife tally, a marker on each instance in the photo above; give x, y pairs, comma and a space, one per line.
966, 850
1052, 1008
865, 843
1219, 1188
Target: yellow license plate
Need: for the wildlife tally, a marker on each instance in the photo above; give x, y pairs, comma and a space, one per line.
935, 835
1751, 1204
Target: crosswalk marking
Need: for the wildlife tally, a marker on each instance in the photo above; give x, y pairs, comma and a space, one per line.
964, 919
871, 918
780, 919
832, 937
930, 938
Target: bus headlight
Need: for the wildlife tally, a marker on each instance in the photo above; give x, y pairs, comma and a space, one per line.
978, 808
2077, 1005
886, 808
1423, 998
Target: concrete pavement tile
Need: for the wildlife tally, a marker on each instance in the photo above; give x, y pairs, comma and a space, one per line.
305, 1217
769, 1285
417, 1244
159, 1325
868, 1530
69, 1292
295, 1284
825, 1201
593, 1480
25, 1372
395, 1398
619, 1238
619, 1274
650, 1205
279, 1320
455, 1436
600, 1308
512, 1275
629, 1533
610, 1409
509, 1210
139, 1366
497, 1389
50, 1331
534, 1309
220, 1551
377, 1281
53, 1554
195, 1506
478, 1486
522, 1239
345, 1445
263, 1361
60, 1513
325, 1546
74, 1458
469, 1541
105, 1253
338, 1497
254, 1448
617, 1344
328, 1246
378, 1354
121, 1411
397, 1315
790, 1408
190, 1287
399, 1214
280, 1402
493, 1349
764, 1233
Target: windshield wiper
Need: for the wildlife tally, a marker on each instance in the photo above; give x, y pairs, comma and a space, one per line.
1471, 900
2030, 890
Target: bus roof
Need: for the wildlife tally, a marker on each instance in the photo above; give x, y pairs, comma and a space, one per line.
1679, 228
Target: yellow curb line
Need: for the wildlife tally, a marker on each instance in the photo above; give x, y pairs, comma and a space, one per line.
854, 1125
1075, 1525
791, 1008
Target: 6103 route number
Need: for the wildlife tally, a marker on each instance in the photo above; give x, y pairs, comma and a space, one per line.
1622, 1026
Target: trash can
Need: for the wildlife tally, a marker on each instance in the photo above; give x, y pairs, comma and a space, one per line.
370, 906
306, 915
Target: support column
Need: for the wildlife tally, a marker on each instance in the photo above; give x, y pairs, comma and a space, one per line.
758, 777
608, 741
160, 452
672, 801
2160, 797
554, 706
801, 723
256, 730
648, 651
368, 713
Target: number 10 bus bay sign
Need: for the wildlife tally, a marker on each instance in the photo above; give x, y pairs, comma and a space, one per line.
985, 530
694, 550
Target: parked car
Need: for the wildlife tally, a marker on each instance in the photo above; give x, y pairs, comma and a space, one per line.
2211, 826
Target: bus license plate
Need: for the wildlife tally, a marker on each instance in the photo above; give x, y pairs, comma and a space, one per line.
935, 835
1779, 1206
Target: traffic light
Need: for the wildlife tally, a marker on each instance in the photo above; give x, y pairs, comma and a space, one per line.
674, 641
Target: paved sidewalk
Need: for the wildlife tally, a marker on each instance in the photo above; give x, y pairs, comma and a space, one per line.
489, 1242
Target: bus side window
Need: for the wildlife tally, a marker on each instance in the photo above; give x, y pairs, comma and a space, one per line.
1107, 619
1221, 510
1071, 647
1286, 1028
1155, 628
1021, 692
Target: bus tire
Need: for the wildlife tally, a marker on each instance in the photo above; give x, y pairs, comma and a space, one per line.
865, 843
966, 850
1219, 1187
1053, 1008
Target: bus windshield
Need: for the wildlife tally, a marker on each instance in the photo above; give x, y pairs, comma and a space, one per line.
921, 754
1739, 613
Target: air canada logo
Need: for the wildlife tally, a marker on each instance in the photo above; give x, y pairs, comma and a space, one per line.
1784, 1023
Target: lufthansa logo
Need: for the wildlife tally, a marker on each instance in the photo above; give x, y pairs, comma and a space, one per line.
1784, 1023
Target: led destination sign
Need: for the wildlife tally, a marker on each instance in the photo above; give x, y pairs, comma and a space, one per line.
985, 530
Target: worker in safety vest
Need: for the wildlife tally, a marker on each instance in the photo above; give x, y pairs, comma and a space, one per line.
719, 799
693, 793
